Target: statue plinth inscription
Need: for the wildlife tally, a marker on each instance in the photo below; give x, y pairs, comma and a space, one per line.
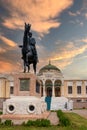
24, 84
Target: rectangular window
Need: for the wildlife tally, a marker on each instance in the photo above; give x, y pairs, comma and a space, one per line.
86, 89
11, 90
78, 100
37, 87
69, 89
24, 84
78, 89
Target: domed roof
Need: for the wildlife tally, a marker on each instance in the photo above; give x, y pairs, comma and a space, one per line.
48, 68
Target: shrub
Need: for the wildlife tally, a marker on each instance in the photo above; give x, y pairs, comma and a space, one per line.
64, 121
38, 123
30, 123
44, 122
8, 123
1, 112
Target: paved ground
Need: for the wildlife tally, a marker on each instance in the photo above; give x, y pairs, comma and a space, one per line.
53, 118
82, 113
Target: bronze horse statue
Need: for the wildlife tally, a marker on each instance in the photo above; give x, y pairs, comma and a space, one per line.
29, 52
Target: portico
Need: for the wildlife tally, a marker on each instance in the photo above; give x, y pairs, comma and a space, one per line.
51, 88
52, 81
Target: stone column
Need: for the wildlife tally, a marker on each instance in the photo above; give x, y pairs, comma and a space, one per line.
83, 88
74, 89
7, 89
53, 90
62, 89
44, 92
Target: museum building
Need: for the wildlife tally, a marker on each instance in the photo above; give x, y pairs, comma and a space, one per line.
57, 92
54, 85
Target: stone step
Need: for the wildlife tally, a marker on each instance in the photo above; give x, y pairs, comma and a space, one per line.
53, 118
22, 116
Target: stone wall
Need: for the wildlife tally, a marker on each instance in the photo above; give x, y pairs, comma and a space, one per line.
79, 103
82, 105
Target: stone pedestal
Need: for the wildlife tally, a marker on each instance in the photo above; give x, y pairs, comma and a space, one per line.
27, 96
22, 105
26, 84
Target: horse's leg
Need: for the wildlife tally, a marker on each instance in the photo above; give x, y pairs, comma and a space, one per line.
28, 68
24, 66
34, 67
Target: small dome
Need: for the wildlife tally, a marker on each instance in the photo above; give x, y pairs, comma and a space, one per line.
48, 68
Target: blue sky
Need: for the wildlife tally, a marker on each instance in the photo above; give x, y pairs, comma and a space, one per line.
60, 30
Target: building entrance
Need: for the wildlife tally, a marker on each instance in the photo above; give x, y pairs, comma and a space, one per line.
49, 92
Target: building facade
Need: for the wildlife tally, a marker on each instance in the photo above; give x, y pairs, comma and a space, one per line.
54, 85
54, 89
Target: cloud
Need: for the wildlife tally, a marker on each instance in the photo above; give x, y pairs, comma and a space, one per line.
8, 67
74, 14
40, 13
2, 50
67, 54
84, 5
77, 21
84, 40
63, 55
8, 41
5, 67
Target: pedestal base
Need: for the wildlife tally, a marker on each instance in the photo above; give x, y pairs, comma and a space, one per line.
24, 105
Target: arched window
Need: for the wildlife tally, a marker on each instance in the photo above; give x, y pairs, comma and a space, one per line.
57, 92
48, 85
57, 83
78, 89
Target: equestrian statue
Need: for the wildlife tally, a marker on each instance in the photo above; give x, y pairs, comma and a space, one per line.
29, 52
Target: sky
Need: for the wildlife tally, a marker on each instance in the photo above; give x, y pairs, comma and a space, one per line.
60, 30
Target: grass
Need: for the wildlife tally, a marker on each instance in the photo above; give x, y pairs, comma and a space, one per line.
42, 128
37, 128
77, 123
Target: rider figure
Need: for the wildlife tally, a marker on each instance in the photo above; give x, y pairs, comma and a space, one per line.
24, 50
31, 41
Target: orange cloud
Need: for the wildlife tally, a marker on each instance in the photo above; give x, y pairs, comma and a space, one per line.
67, 54
8, 41
2, 50
5, 67
40, 13
8, 67
84, 40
